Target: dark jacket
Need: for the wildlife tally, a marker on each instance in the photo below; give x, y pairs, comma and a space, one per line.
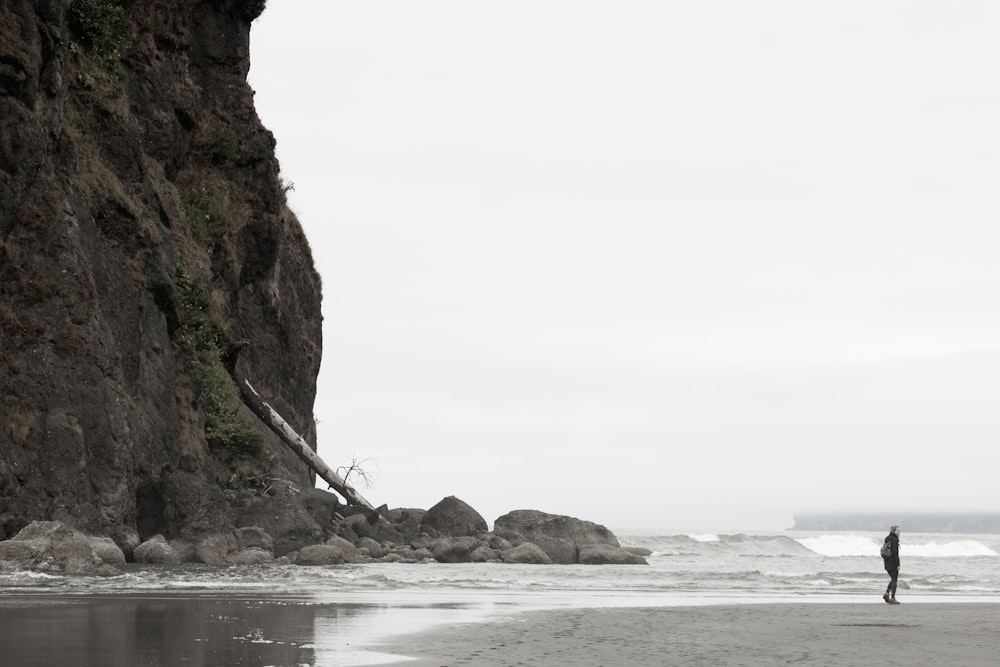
892, 562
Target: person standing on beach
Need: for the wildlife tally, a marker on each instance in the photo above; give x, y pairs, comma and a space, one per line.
892, 564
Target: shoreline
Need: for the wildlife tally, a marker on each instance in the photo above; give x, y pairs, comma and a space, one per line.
846, 634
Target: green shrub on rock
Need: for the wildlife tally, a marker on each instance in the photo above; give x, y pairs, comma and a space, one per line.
99, 25
227, 427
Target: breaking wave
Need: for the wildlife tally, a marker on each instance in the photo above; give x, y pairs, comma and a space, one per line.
832, 545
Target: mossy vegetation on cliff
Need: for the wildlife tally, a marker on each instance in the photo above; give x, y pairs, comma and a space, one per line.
227, 427
100, 27
208, 218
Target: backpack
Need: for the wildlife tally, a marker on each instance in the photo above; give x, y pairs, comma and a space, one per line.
886, 549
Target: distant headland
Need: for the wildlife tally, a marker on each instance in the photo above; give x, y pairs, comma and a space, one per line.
914, 522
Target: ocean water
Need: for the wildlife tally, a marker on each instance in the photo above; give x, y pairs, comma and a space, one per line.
330, 615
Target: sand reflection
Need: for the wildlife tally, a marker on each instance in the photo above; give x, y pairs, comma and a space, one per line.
201, 631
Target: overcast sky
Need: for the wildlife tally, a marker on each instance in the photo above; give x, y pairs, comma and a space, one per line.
663, 265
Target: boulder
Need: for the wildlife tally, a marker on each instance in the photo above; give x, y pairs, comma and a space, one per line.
126, 537
215, 549
424, 542
560, 550
251, 556
319, 554
106, 549
453, 517
348, 549
421, 554
405, 523
559, 536
374, 549
282, 517
396, 557
191, 504
186, 550
454, 549
156, 551
253, 537
606, 554
400, 514
386, 532
639, 551
485, 554
52, 546
497, 543
322, 506
526, 552
356, 526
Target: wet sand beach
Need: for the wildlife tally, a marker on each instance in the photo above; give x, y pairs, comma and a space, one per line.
209, 630
758, 635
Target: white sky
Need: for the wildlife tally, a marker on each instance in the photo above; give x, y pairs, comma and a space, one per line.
664, 265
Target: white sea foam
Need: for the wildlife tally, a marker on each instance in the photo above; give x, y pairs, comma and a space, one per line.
955, 549
837, 546
704, 537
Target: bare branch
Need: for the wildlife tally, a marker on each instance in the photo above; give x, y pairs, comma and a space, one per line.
364, 471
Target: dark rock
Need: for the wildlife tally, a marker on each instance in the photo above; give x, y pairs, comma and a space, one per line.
156, 551
52, 546
639, 551
372, 547
406, 522
127, 539
254, 537
349, 550
356, 510
485, 554
422, 554
251, 556
526, 553
319, 554
357, 526
191, 505
322, 506
560, 537
455, 518
282, 517
395, 557
106, 549
454, 549
497, 543
216, 549
400, 514
186, 549
606, 554
388, 533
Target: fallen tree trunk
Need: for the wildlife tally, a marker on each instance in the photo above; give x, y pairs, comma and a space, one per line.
274, 421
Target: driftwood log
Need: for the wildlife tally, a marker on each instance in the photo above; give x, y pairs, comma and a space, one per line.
274, 421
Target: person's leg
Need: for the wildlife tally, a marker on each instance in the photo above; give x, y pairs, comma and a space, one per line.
892, 583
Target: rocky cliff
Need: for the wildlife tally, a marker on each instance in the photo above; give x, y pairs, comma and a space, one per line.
143, 226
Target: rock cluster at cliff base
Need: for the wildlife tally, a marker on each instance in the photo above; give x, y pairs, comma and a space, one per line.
449, 532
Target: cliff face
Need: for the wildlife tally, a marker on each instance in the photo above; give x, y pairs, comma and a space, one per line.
143, 226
